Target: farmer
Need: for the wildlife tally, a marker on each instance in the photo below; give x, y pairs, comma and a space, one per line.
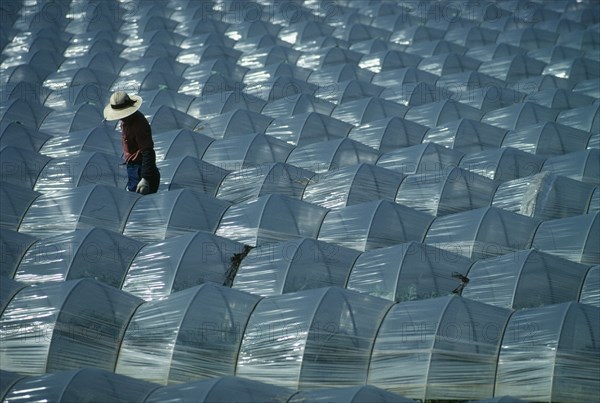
138, 147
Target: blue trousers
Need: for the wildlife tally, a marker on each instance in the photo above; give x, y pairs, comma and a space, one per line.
134, 177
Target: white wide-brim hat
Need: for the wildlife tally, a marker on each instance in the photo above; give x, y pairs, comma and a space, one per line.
121, 105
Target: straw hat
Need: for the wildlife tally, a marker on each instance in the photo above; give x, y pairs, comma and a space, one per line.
121, 105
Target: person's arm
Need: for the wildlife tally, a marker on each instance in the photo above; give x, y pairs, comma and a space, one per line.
146, 148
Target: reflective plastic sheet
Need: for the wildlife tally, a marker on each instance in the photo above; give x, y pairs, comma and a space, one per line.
191, 335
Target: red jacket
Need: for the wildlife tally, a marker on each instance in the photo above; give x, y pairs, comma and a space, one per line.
138, 147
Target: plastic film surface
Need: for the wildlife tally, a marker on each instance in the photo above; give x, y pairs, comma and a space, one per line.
590, 292
312, 339
190, 335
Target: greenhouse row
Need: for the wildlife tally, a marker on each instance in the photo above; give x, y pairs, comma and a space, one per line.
322, 338
359, 201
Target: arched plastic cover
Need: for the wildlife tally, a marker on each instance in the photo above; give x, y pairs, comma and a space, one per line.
210, 106
101, 138
502, 164
15, 200
586, 118
437, 113
482, 233
524, 279
440, 348
547, 139
7, 380
271, 218
190, 173
82, 169
81, 385
308, 128
353, 184
18, 135
246, 184
366, 110
235, 123
193, 334
519, 115
466, 136
590, 292
372, 225
388, 134
179, 263
446, 192
353, 394
574, 238
295, 265
81, 207
545, 196
297, 104
28, 113
247, 151
407, 271
331, 155
580, 165
81, 117
20, 166
8, 289
164, 215
86, 253
66, 325
180, 143
13, 246
551, 354
221, 389
164, 118
420, 159
311, 339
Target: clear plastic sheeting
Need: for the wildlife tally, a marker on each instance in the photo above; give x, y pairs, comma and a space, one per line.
574, 238
297, 104
190, 173
466, 136
164, 118
88, 253
191, 335
21, 167
13, 246
366, 110
18, 135
82, 207
559, 98
547, 139
15, 201
82, 169
164, 215
85, 116
7, 380
180, 143
525, 279
280, 178
247, 151
440, 112
295, 265
179, 263
8, 289
388, 134
353, 185
586, 118
210, 106
347, 91
26, 112
519, 115
551, 354
420, 159
372, 225
590, 292
503, 164
331, 155
281, 87
440, 348
582, 165
407, 272
311, 339
339, 73
328, 56
545, 196
512, 68
271, 218
221, 389
482, 233
235, 123
82, 385
308, 128
389, 60
354, 394
101, 138
66, 325
446, 192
